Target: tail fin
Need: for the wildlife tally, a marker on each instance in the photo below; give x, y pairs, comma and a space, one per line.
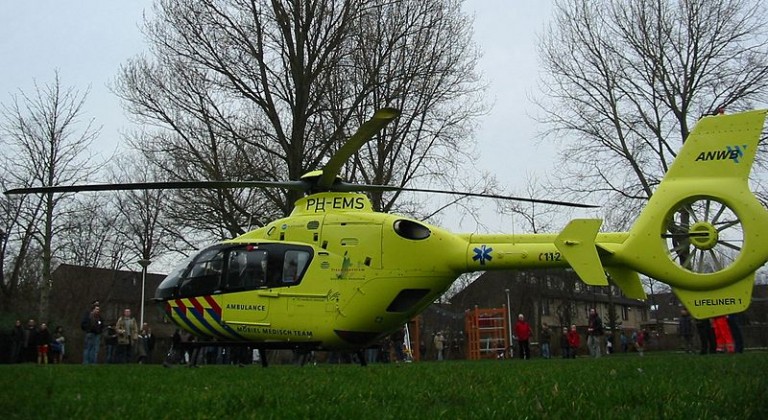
704, 232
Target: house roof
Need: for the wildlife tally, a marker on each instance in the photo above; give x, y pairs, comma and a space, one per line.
75, 287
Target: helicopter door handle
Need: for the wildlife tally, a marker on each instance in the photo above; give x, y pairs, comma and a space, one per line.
268, 293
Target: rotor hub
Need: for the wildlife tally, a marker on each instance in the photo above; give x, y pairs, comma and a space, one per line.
703, 235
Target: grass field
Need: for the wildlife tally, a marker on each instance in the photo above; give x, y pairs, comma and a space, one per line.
656, 386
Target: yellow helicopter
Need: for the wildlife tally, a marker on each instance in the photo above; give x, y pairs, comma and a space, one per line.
336, 275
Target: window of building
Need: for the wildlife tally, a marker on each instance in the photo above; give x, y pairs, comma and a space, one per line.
545, 307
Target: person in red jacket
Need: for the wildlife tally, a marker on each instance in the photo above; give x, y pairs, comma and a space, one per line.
723, 336
574, 341
523, 333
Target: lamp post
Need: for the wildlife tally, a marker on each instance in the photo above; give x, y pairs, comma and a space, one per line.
144, 264
509, 323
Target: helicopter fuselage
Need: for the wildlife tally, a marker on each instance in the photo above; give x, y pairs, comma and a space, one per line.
332, 275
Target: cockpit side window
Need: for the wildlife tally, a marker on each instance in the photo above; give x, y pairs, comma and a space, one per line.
233, 268
204, 275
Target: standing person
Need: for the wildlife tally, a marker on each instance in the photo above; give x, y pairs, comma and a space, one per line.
624, 342
194, 351
17, 342
685, 330
43, 341
146, 344
594, 333
564, 347
439, 342
734, 323
574, 341
706, 336
127, 335
29, 346
396, 345
523, 333
639, 339
110, 344
723, 336
57, 345
93, 325
544, 338
175, 353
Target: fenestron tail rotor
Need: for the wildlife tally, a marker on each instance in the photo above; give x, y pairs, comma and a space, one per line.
704, 235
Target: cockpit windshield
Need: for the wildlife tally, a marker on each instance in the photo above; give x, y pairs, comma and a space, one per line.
230, 268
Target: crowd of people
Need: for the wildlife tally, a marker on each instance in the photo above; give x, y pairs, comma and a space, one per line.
124, 341
34, 343
716, 335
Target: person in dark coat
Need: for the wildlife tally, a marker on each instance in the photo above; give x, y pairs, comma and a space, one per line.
706, 337
17, 342
685, 330
145, 344
734, 322
594, 333
565, 348
29, 343
93, 326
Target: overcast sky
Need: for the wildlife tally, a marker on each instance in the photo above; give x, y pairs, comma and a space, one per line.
87, 40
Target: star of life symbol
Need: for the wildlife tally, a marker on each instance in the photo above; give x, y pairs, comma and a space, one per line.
483, 254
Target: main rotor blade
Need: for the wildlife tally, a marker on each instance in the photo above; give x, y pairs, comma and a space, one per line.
366, 131
349, 187
179, 185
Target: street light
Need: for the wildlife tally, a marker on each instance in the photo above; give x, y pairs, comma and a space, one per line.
144, 264
509, 323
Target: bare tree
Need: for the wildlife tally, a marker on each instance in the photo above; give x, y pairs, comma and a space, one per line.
47, 146
241, 90
418, 57
625, 82
18, 220
537, 217
143, 214
91, 234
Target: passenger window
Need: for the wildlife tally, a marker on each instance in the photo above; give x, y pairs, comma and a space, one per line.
294, 264
247, 269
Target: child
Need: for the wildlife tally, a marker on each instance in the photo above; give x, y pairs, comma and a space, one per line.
43, 341
574, 341
640, 342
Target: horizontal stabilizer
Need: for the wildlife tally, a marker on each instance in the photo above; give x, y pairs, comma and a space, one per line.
577, 244
727, 300
628, 281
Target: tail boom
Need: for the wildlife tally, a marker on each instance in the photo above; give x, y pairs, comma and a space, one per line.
703, 231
